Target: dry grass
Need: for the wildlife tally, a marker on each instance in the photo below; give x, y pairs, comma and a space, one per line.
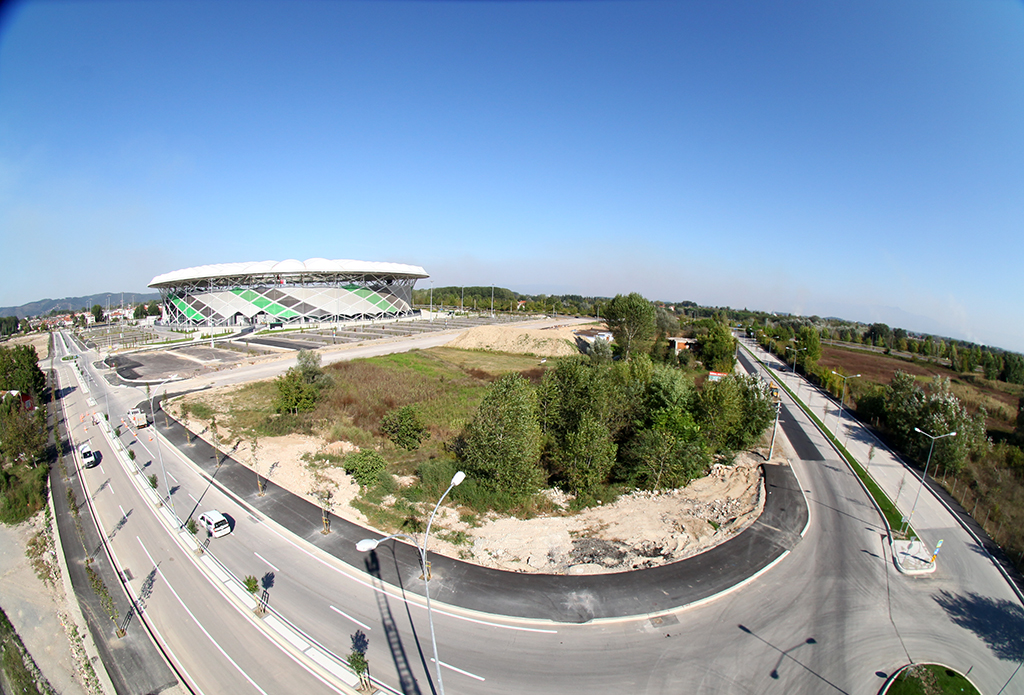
973, 390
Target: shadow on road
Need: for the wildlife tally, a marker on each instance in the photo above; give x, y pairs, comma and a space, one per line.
788, 654
407, 682
997, 622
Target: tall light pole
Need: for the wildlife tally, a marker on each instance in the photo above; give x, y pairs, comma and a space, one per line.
796, 350
431, 300
927, 463
842, 397
159, 451
368, 544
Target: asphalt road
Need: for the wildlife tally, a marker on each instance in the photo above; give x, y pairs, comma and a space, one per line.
833, 616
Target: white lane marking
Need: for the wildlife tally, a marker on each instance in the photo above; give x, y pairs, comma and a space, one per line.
341, 612
111, 488
193, 498
490, 624
368, 585
459, 670
172, 477
196, 620
123, 515
265, 560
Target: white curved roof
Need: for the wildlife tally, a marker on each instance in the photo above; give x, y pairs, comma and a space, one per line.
290, 267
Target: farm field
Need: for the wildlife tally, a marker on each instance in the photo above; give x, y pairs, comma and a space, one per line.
973, 390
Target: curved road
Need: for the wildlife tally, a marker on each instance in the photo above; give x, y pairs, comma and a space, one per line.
830, 617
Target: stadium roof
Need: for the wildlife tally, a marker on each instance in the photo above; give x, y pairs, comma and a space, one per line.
290, 267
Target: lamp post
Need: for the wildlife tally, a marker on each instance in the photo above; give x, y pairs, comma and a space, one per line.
159, 451
796, 350
431, 300
842, 397
927, 463
368, 544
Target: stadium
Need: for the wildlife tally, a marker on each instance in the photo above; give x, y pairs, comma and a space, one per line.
269, 292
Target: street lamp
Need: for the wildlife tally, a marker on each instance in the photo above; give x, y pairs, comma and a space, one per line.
796, 350
368, 544
159, 451
927, 463
842, 397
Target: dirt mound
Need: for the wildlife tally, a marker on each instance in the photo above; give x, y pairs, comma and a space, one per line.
559, 341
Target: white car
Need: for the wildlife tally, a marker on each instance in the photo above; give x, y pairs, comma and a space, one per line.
215, 523
88, 456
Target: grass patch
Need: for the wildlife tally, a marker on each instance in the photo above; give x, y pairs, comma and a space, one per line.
931, 679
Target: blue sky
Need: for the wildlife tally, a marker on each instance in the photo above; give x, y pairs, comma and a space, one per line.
858, 159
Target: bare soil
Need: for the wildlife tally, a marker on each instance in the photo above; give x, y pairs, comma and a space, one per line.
557, 341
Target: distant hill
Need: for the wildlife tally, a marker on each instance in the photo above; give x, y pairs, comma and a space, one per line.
45, 306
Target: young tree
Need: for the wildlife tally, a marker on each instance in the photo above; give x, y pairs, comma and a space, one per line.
502, 442
300, 387
97, 313
403, 427
631, 319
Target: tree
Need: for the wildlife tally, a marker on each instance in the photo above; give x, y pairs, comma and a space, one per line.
904, 401
97, 313
140, 312
720, 412
810, 341
299, 388
403, 427
294, 395
19, 370
717, 347
600, 351
154, 308
22, 434
502, 442
659, 459
587, 455
631, 319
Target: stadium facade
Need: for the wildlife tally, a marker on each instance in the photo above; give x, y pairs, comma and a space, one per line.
317, 290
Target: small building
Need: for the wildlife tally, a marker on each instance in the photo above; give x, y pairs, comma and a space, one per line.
677, 344
23, 398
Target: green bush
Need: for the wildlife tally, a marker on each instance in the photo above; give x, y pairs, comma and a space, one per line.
365, 466
403, 428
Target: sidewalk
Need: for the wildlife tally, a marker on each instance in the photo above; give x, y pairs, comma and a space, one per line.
897, 479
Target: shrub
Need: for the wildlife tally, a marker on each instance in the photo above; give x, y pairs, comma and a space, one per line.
403, 427
365, 466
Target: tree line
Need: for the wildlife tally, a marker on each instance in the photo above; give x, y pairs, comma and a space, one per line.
22, 435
